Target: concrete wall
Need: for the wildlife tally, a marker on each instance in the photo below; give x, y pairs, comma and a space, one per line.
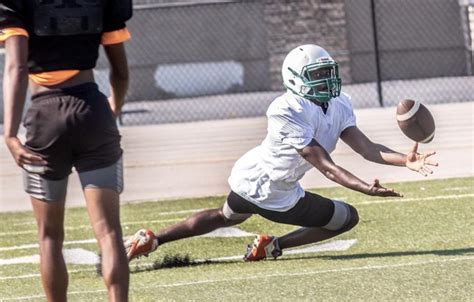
417, 39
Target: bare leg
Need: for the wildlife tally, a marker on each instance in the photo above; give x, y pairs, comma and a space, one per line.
199, 223
104, 213
310, 235
50, 222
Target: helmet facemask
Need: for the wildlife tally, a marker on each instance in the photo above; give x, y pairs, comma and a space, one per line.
320, 81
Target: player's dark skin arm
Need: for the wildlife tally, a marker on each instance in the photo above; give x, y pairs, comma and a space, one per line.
371, 151
381, 154
15, 84
119, 75
315, 154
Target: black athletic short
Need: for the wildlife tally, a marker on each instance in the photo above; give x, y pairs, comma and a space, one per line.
312, 210
72, 127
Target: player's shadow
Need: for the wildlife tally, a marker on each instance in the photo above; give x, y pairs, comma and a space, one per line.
445, 252
174, 261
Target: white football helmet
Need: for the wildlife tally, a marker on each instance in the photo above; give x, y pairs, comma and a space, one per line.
310, 72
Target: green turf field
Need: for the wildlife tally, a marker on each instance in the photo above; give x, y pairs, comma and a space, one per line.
418, 248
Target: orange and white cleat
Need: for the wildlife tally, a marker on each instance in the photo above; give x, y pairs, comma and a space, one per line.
263, 246
141, 244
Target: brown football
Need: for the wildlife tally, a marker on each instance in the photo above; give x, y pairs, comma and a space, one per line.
415, 121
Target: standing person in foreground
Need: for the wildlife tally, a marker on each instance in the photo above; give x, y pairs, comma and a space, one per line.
304, 125
69, 123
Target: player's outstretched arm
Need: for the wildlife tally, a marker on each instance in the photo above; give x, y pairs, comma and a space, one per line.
381, 154
369, 150
321, 160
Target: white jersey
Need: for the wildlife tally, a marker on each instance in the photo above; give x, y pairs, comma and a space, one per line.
268, 174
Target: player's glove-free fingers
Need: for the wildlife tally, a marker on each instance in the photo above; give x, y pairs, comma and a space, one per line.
378, 190
430, 162
383, 192
427, 170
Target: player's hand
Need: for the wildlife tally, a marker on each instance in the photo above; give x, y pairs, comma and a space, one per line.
419, 162
376, 189
22, 156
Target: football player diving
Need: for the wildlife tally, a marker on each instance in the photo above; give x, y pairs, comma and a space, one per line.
304, 125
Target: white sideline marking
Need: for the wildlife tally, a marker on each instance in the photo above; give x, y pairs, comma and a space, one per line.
337, 245
80, 256
228, 232
20, 260
38, 275
459, 196
36, 245
87, 226
457, 188
296, 274
19, 247
21, 277
72, 256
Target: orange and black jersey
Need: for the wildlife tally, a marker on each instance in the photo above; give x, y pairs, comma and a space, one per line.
64, 34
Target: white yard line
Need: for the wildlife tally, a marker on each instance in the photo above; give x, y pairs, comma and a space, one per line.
263, 276
169, 213
20, 277
35, 245
87, 226
458, 188
458, 196
38, 275
71, 256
